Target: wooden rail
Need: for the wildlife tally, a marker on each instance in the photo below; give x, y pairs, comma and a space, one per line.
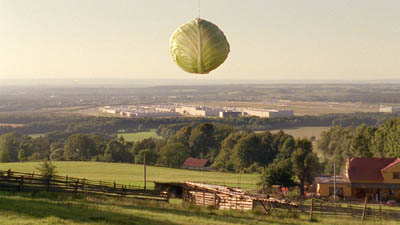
17, 181
321, 207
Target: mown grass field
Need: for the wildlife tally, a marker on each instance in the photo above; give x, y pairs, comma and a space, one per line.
302, 132
51, 208
36, 135
125, 173
139, 135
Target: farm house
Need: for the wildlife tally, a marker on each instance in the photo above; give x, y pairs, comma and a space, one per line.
376, 178
196, 164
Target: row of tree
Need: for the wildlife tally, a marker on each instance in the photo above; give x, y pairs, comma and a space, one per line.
227, 148
339, 143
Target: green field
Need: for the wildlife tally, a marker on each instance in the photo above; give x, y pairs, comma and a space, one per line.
52, 208
139, 135
36, 135
125, 173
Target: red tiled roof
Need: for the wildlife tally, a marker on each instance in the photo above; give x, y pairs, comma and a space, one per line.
193, 162
396, 162
368, 169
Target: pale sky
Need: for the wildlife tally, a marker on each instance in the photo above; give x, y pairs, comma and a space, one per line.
270, 39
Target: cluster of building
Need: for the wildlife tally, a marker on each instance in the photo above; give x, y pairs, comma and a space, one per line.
141, 111
232, 112
197, 111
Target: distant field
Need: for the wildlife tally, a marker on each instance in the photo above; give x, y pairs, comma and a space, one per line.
139, 135
36, 135
125, 173
300, 108
13, 125
302, 132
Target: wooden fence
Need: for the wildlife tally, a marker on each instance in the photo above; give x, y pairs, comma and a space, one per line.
358, 210
17, 181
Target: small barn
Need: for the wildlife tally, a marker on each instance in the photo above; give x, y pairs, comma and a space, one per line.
226, 198
174, 189
196, 164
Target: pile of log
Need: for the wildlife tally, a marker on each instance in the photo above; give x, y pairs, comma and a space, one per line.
226, 198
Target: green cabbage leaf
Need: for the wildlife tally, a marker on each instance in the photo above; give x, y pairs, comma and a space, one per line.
199, 47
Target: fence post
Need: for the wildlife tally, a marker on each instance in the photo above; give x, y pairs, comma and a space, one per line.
311, 208
33, 174
21, 183
66, 181
48, 183
351, 209
320, 208
365, 208
8, 173
83, 183
115, 185
76, 186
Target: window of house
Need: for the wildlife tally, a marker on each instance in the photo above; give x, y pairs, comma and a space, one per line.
396, 175
339, 191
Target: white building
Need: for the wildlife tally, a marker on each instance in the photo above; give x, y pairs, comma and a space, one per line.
224, 114
269, 113
391, 109
197, 111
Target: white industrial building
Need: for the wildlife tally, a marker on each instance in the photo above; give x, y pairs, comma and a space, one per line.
141, 111
224, 114
269, 113
196, 111
391, 109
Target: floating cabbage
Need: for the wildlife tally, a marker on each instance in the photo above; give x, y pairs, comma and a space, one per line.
199, 46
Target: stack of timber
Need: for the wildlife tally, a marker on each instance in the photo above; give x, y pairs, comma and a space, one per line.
226, 198
28, 182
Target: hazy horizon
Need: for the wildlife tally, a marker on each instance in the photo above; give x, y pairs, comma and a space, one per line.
270, 40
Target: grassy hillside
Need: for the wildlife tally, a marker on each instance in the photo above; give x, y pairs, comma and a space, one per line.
51, 208
133, 174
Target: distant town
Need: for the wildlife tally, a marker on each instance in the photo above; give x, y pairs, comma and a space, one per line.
176, 110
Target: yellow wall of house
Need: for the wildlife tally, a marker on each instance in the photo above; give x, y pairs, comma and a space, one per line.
366, 181
323, 189
385, 193
388, 175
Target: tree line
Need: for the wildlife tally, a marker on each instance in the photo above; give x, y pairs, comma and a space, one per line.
166, 127
340, 143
